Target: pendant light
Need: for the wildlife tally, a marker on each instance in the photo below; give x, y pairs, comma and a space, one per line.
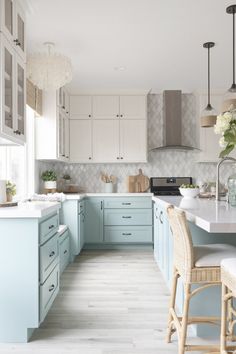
208, 117
230, 96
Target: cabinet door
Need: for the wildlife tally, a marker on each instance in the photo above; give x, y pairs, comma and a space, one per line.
80, 107
133, 140
7, 18
67, 103
133, 107
94, 221
61, 138
80, 141
19, 39
156, 232
105, 140
106, 107
7, 88
20, 97
81, 225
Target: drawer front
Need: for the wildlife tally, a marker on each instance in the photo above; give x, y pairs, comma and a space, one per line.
64, 254
48, 228
49, 253
128, 203
128, 234
48, 292
128, 217
63, 236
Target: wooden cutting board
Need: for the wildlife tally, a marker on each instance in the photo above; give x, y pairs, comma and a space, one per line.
138, 183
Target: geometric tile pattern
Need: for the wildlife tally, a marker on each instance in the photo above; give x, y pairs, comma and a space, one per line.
160, 163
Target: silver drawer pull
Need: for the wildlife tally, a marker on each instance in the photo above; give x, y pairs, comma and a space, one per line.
65, 251
126, 234
126, 203
126, 217
51, 287
51, 227
52, 254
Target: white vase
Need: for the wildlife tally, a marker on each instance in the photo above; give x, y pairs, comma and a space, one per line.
50, 184
109, 187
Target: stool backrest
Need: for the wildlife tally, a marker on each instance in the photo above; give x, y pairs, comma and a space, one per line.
183, 245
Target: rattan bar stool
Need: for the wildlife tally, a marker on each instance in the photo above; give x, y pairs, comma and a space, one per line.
228, 312
198, 265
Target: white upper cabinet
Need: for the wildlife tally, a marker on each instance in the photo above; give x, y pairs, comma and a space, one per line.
63, 100
209, 141
80, 140
106, 107
133, 107
52, 130
12, 24
133, 141
80, 107
12, 93
115, 137
106, 140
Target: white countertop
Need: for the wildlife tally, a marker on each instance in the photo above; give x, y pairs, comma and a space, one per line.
209, 215
83, 195
29, 210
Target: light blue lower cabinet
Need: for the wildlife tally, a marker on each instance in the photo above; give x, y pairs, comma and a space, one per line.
128, 234
29, 274
94, 208
128, 217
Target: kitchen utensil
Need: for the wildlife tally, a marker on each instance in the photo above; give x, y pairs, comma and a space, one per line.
138, 183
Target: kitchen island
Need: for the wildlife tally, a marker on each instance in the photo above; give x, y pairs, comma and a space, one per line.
209, 222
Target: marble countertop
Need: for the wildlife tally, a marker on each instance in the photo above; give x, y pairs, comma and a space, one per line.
83, 195
208, 214
33, 209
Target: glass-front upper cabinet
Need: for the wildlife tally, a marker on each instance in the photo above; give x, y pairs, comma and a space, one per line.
7, 68
20, 98
12, 24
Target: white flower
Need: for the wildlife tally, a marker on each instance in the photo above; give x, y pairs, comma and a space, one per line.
222, 142
223, 122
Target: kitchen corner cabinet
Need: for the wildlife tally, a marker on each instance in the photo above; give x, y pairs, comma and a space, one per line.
209, 141
12, 94
116, 125
52, 129
29, 274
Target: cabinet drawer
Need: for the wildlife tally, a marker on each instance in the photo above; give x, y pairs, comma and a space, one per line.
128, 203
48, 228
48, 292
128, 217
64, 251
63, 236
48, 257
129, 234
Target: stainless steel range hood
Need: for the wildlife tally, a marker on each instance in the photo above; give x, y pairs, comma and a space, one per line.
172, 122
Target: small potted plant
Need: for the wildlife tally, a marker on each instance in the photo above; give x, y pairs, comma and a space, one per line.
67, 178
10, 190
49, 178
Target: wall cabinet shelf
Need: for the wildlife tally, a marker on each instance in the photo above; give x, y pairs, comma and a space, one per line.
108, 129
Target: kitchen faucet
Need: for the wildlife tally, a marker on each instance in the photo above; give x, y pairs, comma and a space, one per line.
218, 174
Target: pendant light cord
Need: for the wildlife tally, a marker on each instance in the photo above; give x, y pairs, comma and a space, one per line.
209, 82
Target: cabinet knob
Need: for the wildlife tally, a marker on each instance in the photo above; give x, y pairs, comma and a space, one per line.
65, 251
90, 158
51, 287
117, 115
63, 155
63, 107
52, 254
51, 227
121, 158
121, 115
89, 115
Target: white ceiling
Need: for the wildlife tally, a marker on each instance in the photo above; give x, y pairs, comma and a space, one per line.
159, 42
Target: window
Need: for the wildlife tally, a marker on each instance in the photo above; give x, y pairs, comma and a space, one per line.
17, 162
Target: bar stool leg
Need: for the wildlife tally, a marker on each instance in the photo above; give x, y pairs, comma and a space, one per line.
223, 320
184, 323
172, 305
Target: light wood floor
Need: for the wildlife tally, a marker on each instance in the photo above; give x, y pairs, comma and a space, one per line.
110, 302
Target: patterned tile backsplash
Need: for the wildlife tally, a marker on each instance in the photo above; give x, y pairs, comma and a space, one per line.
160, 163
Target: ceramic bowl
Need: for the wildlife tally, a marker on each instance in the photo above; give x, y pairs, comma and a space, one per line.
189, 192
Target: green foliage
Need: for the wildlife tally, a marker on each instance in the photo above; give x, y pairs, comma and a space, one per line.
49, 175
67, 177
11, 188
191, 186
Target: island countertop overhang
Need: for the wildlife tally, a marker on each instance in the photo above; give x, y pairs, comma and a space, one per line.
210, 215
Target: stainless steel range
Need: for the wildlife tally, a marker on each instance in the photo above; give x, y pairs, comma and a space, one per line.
168, 185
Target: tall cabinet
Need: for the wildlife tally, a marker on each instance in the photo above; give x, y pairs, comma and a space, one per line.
13, 77
108, 128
